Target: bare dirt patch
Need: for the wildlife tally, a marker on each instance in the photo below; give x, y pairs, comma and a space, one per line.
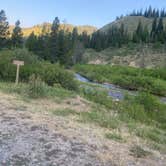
37, 138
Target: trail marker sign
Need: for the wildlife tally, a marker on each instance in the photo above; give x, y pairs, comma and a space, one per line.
18, 63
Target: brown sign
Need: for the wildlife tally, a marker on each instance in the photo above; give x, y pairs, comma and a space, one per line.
20, 63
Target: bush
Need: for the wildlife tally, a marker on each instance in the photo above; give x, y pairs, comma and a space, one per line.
49, 73
37, 88
149, 102
24, 55
144, 108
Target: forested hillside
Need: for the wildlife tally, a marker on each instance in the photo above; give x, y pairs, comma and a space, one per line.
54, 43
68, 45
146, 27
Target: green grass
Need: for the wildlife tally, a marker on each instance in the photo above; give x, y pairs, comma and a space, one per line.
49, 92
63, 112
152, 134
114, 136
100, 117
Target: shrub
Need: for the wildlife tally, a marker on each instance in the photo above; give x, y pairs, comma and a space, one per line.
24, 55
49, 73
145, 108
149, 102
37, 88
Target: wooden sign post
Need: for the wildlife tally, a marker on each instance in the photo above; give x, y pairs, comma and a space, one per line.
18, 63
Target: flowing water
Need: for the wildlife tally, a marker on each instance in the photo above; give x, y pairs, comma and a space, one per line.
115, 92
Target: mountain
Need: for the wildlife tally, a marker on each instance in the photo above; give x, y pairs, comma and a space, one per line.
37, 29
133, 54
130, 23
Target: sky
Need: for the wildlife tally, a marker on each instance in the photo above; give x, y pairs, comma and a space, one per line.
76, 12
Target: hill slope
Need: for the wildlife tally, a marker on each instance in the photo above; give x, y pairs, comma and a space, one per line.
154, 55
130, 55
131, 23
37, 29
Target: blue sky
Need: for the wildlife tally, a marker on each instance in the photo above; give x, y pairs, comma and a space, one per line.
77, 12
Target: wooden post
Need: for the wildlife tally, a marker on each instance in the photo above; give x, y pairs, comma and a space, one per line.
18, 63
17, 74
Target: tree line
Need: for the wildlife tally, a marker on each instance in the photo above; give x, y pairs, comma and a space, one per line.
59, 45
148, 13
118, 36
8, 40
67, 48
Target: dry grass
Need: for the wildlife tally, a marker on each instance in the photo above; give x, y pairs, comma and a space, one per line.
42, 111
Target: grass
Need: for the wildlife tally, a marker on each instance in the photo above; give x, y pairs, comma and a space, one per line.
114, 136
49, 92
100, 117
139, 152
152, 134
147, 121
63, 112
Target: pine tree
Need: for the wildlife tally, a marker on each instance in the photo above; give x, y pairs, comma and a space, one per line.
145, 35
146, 13
32, 43
55, 26
62, 47
85, 39
160, 31
17, 36
53, 41
74, 36
154, 30
160, 27
4, 29
139, 32
150, 12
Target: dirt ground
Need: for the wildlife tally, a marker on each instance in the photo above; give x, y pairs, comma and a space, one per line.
31, 136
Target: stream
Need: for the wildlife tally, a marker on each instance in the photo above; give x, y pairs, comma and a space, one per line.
116, 92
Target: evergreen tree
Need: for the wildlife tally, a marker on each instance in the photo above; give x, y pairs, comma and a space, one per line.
85, 39
160, 26
17, 36
4, 29
146, 13
62, 48
138, 34
160, 31
32, 43
154, 30
53, 41
145, 35
150, 12
74, 36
